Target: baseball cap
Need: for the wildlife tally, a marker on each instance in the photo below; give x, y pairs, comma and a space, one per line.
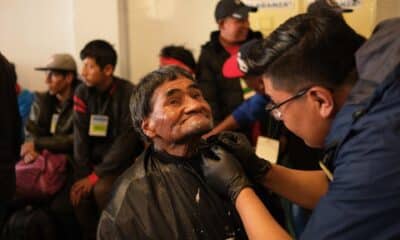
321, 6
232, 8
60, 62
238, 64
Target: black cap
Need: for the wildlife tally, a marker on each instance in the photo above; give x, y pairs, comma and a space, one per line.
322, 6
232, 8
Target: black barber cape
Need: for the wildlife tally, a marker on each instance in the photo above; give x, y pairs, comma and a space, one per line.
166, 197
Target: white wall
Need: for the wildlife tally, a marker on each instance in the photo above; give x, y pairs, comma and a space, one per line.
31, 31
156, 23
100, 19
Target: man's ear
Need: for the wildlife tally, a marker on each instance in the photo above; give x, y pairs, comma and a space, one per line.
148, 128
108, 70
323, 100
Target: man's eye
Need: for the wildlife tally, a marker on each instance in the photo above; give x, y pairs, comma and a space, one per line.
173, 101
197, 95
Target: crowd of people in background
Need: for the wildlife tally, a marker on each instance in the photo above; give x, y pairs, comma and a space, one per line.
96, 157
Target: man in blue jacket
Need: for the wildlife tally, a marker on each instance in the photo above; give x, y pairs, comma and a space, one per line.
342, 100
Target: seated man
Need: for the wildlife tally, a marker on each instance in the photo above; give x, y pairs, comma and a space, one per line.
164, 195
49, 127
105, 143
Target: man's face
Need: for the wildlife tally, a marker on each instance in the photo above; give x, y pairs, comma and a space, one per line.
179, 112
255, 83
305, 116
234, 30
92, 74
57, 83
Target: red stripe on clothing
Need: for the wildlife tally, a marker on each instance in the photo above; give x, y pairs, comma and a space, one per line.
79, 102
79, 109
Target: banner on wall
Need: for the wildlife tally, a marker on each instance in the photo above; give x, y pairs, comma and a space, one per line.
344, 3
270, 3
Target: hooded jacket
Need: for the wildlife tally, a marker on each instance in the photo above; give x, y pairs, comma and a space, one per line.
223, 94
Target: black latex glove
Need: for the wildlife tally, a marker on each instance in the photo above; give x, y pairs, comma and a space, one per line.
256, 168
223, 172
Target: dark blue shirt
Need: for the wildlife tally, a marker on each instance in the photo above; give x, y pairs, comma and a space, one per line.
363, 200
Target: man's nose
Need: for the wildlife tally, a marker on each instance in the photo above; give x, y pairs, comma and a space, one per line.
192, 104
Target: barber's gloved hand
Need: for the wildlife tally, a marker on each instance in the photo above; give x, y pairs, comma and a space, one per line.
223, 172
255, 167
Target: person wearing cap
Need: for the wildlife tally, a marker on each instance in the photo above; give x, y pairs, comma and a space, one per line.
50, 127
252, 109
105, 143
50, 122
330, 88
223, 94
177, 56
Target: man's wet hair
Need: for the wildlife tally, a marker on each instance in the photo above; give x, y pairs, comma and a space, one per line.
141, 101
180, 53
309, 50
101, 51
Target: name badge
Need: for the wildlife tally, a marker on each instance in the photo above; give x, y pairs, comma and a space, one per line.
267, 148
98, 125
53, 124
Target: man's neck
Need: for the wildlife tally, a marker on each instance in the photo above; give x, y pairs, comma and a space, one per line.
187, 149
104, 86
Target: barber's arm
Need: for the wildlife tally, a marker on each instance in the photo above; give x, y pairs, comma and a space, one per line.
304, 188
224, 173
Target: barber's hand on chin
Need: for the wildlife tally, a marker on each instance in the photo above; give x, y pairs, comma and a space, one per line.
237, 143
223, 172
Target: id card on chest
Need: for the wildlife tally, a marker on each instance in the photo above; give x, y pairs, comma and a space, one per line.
98, 125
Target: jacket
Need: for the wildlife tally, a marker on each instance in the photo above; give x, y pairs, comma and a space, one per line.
223, 94
363, 149
114, 152
38, 126
166, 197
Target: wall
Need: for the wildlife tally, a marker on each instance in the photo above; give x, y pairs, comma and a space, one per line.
34, 30
31, 31
101, 19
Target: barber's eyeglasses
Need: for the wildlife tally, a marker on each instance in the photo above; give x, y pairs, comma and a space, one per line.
274, 108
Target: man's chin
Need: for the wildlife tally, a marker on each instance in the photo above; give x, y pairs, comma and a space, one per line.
195, 132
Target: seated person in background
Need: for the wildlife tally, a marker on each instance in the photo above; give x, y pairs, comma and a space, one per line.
50, 122
105, 143
50, 127
164, 195
177, 56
